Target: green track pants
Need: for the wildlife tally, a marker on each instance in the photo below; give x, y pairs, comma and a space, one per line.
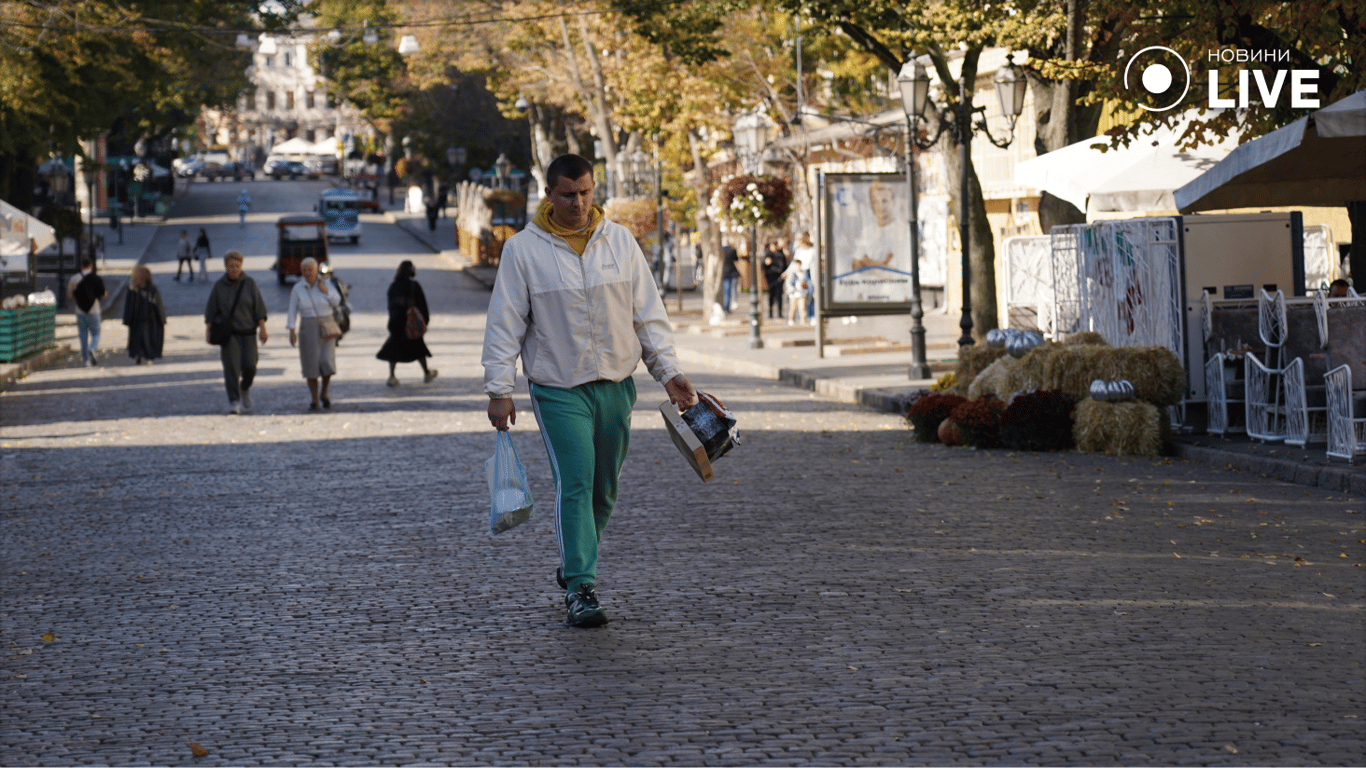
587, 431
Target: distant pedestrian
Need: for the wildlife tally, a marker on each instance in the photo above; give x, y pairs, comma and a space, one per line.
805, 252
86, 289
237, 301
730, 275
797, 280
775, 262
184, 255
243, 205
145, 315
404, 293
309, 300
202, 250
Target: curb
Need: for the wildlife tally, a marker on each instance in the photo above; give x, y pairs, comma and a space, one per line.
1341, 479
22, 368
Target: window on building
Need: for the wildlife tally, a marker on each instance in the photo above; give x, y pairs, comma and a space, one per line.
308, 100
270, 61
311, 135
289, 100
331, 102
288, 61
270, 100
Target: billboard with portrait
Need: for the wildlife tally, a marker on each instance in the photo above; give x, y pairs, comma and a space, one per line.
867, 243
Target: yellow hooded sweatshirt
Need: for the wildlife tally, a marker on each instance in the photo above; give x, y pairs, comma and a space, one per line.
578, 240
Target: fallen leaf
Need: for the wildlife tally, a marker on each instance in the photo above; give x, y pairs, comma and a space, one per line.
198, 750
1229, 748
49, 637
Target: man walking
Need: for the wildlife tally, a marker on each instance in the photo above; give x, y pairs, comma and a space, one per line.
235, 299
184, 255
576, 300
87, 289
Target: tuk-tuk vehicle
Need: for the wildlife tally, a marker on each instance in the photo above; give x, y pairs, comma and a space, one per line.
301, 235
341, 209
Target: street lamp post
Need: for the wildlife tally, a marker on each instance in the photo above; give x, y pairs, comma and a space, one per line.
1010, 85
751, 134
915, 91
501, 167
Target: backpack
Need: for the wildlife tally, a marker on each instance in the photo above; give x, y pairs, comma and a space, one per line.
88, 291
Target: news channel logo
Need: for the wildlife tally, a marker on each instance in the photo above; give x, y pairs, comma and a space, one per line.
1162, 74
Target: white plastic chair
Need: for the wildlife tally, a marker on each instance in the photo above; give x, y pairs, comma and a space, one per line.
1304, 422
1266, 380
1221, 395
1346, 432
1265, 414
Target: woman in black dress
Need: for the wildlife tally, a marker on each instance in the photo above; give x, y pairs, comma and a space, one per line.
145, 315
404, 293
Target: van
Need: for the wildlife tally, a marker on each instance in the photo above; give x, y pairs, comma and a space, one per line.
341, 209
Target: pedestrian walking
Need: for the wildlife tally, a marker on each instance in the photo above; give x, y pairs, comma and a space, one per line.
204, 252
243, 205
730, 274
310, 302
184, 255
775, 262
575, 299
145, 315
405, 293
86, 289
797, 280
235, 304
805, 252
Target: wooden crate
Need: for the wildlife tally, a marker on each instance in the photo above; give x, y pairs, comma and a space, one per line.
26, 330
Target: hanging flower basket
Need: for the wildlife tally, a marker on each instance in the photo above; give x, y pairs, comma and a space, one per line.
742, 201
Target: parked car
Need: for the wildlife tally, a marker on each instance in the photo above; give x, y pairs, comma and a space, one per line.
282, 168
231, 170
188, 167
341, 209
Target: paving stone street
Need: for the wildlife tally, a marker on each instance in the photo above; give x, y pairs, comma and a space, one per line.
287, 588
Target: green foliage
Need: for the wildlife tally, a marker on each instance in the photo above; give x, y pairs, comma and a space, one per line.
372, 77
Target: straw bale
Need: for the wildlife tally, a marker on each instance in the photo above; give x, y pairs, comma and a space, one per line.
1086, 337
1124, 429
1156, 373
972, 360
992, 380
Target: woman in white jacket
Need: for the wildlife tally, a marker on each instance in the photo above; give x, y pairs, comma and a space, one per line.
576, 301
308, 301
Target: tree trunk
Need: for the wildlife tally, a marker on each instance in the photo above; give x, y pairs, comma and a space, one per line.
708, 233
595, 98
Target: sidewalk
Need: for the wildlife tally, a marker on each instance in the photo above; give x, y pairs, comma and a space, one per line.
115, 268
866, 363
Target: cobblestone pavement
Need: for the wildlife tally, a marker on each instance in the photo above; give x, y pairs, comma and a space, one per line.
287, 588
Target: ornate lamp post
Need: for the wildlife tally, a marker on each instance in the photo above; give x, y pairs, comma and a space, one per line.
1010, 84
501, 166
751, 135
915, 93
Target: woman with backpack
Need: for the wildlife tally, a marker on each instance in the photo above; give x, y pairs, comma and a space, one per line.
405, 344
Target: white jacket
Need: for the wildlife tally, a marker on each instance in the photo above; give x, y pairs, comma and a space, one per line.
575, 319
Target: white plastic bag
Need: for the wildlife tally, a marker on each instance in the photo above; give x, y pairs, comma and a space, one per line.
510, 502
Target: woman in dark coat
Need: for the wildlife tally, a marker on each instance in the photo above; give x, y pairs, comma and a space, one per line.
405, 292
145, 315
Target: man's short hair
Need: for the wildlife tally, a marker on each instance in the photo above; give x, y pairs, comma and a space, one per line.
87, 262
233, 256
572, 167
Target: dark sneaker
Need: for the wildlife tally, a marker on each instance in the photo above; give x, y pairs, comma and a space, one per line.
582, 608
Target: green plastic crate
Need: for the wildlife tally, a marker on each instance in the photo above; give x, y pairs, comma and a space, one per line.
25, 331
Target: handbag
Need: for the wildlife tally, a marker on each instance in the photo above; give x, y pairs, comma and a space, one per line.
328, 327
510, 502
417, 327
220, 330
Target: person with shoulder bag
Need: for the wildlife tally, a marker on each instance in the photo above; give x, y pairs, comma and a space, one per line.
234, 318
408, 318
315, 331
86, 289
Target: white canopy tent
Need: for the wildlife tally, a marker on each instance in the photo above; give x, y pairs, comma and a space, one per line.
20, 235
295, 146
1319, 159
1139, 177
326, 147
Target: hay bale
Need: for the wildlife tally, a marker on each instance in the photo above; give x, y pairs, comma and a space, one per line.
992, 380
1156, 373
972, 360
1086, 337
1123, 429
